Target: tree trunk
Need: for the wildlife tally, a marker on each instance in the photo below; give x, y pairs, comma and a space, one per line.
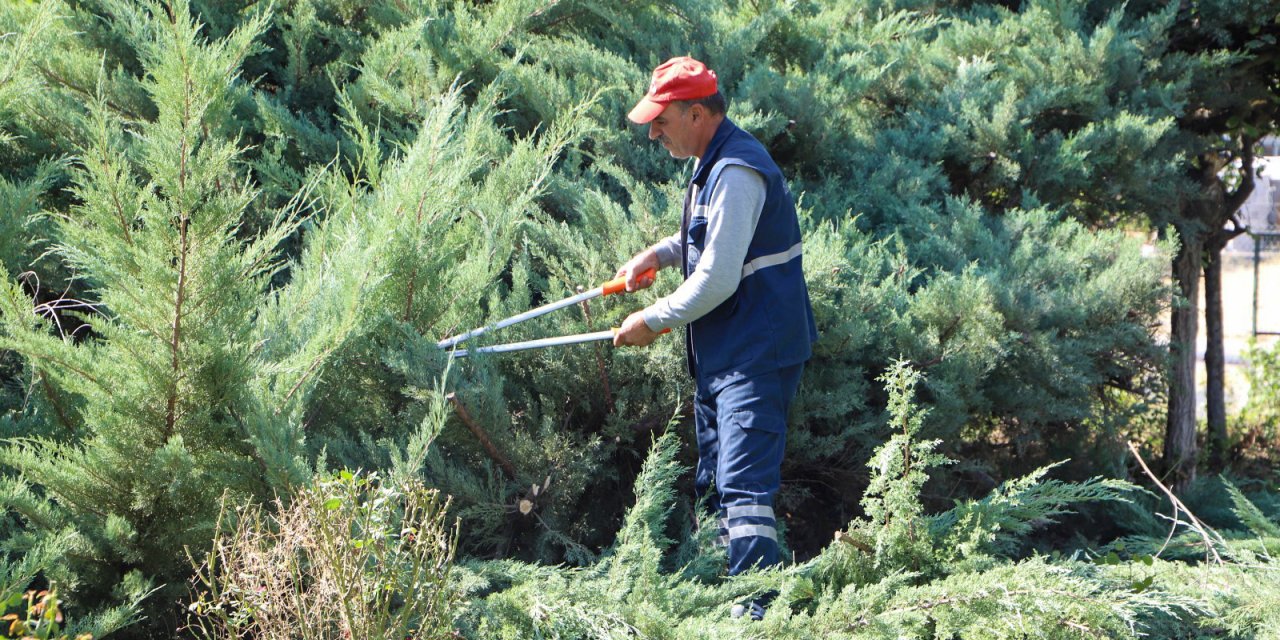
1222, 209
1180, 428
1214, 358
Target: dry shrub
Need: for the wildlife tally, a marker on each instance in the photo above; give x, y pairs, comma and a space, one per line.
352, 557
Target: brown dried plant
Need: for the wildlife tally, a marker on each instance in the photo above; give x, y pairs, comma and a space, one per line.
354, 556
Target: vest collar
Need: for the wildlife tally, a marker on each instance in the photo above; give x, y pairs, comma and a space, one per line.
726, 129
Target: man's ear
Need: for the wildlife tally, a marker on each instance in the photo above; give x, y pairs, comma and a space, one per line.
697, 112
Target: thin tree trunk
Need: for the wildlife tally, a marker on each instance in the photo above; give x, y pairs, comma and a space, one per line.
1224, 206
1180, 429
1214, 358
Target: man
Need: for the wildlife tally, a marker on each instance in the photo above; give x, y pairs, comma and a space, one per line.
744, 305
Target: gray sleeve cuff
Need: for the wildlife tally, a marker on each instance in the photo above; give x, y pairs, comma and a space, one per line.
668, 251
651, 318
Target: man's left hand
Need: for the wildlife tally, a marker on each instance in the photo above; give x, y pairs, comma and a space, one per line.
634, 332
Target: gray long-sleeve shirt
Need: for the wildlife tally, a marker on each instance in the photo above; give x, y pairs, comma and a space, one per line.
733, 212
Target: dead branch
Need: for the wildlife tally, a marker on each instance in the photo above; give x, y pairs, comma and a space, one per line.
1211, 551
481, 435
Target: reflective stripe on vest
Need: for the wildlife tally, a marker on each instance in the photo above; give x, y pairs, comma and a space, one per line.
772, 260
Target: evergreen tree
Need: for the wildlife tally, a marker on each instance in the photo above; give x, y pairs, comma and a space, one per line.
192, 387
1227, 114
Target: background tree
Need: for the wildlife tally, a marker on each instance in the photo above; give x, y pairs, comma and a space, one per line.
1227, 114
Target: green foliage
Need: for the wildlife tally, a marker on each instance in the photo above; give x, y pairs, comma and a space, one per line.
895, 573
627, 593
900, 467
29, 612
1250, 516
233, 232
1238, 592
995, 524
354, 556
1263, 407
174, 400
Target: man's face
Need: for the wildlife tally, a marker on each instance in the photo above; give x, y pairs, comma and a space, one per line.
674, 128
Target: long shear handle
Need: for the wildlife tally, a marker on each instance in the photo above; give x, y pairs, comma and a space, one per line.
543, 343
613, 286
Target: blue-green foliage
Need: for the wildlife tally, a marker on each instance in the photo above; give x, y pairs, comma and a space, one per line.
895, 573
248, 223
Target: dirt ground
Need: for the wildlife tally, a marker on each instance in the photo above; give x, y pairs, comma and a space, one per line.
1238, 319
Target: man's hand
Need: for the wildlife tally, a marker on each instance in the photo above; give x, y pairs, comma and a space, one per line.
640, 263
634, 332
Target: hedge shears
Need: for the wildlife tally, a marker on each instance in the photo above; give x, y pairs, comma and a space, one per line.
617, 285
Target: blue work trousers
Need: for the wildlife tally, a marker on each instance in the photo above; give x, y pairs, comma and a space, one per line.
742, 432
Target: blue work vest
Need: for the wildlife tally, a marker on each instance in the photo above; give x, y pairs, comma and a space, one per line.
767, 324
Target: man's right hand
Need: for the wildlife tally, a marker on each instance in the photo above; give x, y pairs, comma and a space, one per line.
640, 263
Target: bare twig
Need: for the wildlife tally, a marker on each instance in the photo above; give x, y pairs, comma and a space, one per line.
480, 435
1193, 523
50, 309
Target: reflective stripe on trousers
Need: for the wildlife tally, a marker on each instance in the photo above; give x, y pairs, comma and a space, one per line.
746, 522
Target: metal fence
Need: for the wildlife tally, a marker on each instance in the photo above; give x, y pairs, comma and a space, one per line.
1263, 242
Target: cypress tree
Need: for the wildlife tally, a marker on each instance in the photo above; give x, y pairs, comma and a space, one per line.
173, 404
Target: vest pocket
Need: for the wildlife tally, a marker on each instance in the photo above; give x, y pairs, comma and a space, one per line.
697, 230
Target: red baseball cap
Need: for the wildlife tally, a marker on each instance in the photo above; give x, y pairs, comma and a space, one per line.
680, 78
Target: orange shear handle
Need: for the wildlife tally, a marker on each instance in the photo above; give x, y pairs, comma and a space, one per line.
619, 284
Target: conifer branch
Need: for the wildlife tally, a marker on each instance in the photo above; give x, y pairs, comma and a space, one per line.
52, 398
108, 169
66, 365
417, 218
413, 273
119, 208
962, 600
572, 14
254, 451
184, 248
305, 376
480, 435
53, 77
537, 12
408, 300
174, 346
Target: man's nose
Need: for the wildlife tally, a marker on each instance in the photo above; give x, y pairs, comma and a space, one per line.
653, 132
